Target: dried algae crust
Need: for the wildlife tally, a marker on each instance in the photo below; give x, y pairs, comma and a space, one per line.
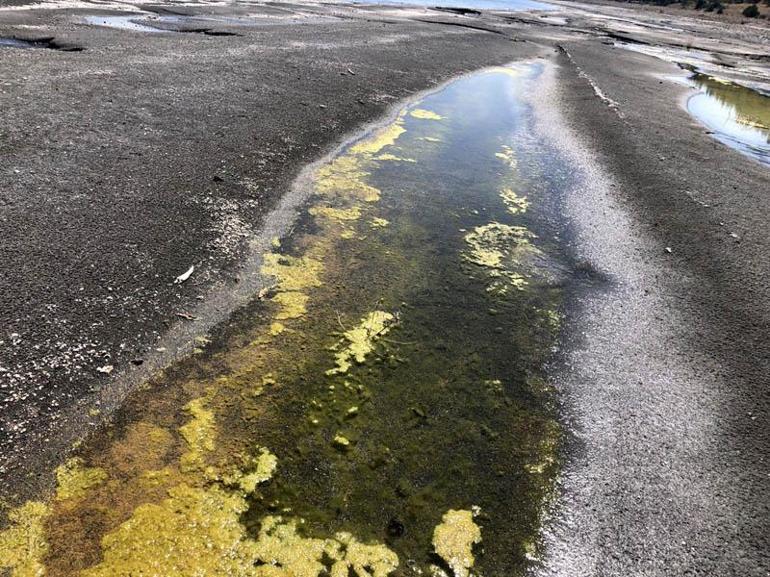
453, 541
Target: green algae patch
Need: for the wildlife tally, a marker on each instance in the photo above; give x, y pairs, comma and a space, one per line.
361, 340
23, 544
516, 204
453, 541
73, 480
423, 114
199, 433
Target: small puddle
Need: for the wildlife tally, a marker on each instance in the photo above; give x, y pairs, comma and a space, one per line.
134, 23
737, 116
178, 23
502, 5
382, 408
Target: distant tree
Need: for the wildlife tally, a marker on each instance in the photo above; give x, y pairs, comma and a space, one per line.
751, 11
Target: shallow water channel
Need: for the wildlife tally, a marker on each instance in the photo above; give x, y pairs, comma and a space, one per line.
382, 407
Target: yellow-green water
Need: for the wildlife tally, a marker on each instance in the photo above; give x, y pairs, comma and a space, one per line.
382, 408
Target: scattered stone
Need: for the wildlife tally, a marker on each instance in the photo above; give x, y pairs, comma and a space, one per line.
185, 275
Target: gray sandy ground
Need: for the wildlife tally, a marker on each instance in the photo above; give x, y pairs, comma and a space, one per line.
124, 164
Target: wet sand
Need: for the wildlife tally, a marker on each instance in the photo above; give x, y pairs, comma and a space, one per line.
141, 155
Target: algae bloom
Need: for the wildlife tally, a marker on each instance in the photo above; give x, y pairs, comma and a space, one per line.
74, 480
423, 114
23, 544
454, 538
361, 340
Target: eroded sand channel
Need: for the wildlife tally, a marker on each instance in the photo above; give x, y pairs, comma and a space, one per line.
382, 408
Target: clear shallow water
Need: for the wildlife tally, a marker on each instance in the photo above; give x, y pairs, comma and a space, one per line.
382, 407
738, 117
507, 5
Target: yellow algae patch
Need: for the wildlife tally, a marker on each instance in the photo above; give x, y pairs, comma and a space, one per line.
200, 434
363, 560
393, 157
293, 305
378, 222
257, 470
286, 553
353, 213
423, 114
361, 340
23, 544
454, 538
294, 274
194, 532
73, 479
500, 248
507, 156
277, 328
344, 176
516, 204
341, 441
381, 138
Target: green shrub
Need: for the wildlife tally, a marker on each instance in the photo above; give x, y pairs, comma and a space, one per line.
751, 11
